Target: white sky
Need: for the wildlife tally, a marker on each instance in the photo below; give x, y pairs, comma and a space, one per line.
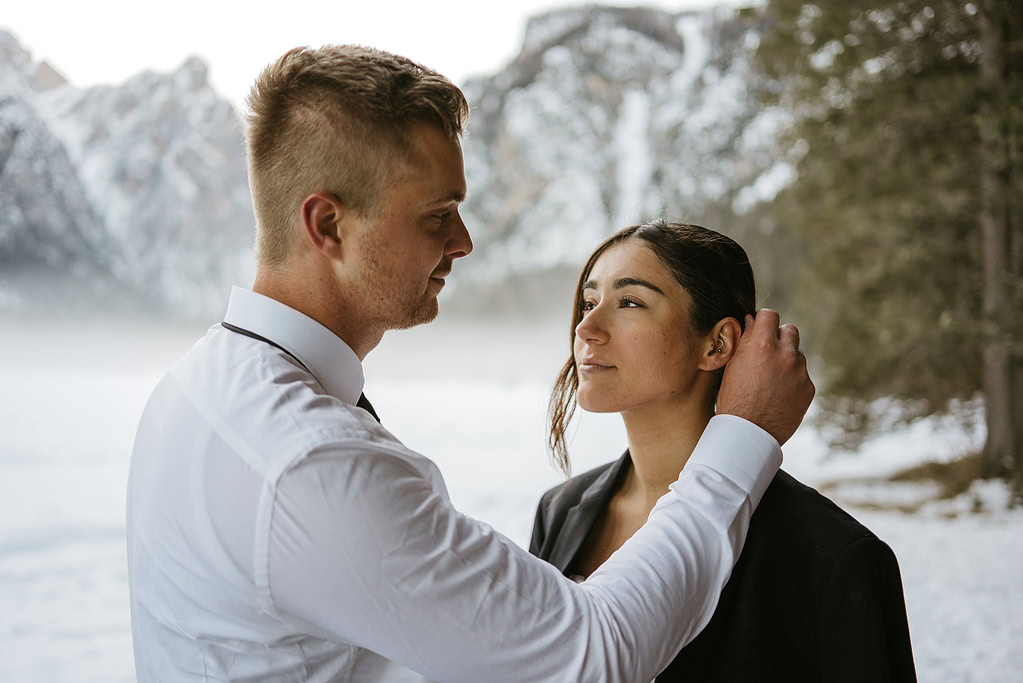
106, 41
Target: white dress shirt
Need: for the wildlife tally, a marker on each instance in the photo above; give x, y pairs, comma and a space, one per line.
276, 532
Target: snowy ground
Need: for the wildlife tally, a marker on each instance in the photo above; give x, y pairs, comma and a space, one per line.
471, 397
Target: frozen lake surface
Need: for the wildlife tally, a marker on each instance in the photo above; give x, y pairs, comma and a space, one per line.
472, 397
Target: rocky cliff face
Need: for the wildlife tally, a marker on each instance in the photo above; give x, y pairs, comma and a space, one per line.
46, 217
607, 116
140, 190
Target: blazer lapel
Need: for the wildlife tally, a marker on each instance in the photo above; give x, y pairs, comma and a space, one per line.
584, 514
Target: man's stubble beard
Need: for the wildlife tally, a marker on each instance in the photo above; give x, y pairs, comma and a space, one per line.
421, 312
422, 319
408, 312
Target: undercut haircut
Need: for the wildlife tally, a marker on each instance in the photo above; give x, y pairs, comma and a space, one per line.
336, 119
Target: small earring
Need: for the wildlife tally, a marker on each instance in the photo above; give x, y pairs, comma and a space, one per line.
721, 345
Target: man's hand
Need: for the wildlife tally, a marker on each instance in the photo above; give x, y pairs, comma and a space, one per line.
766, 381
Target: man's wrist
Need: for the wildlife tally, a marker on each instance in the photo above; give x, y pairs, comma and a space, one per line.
740, 450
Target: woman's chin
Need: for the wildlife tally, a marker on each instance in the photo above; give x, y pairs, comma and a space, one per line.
593, 404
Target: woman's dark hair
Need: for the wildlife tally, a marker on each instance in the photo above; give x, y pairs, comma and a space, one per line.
712, 268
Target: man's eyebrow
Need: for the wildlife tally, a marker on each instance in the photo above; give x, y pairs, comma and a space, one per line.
456, 196
625, 282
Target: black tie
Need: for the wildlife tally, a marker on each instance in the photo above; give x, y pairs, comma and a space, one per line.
367, 406
363, 401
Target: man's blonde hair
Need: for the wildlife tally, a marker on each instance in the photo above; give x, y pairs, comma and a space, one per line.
336, 119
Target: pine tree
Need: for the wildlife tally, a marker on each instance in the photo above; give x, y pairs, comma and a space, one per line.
908, 148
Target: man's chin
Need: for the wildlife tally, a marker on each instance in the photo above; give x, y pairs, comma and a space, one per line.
422, 313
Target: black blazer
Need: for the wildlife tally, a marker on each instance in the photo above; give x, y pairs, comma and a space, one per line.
815, 596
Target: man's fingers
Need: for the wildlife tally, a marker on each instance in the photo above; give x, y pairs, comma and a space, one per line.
766, 325
747, 332
789, 335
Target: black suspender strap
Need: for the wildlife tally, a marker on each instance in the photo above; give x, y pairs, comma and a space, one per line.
363, 401
253, 335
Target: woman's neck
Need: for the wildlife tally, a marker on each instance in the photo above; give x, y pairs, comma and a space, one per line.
661, 439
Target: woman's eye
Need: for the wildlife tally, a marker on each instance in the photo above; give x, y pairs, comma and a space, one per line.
630, 303
588, 305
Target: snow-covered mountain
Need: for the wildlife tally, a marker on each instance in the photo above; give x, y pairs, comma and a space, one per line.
140, 190
607, 116
46, 217
610, 116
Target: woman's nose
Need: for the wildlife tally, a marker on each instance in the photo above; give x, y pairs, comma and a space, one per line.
592, 328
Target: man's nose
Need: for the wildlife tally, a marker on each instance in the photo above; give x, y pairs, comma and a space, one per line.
460, 243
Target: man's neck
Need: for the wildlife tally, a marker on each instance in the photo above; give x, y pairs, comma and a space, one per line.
313, 297
661, 440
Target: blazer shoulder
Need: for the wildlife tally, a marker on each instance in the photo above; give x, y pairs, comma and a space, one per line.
807, 514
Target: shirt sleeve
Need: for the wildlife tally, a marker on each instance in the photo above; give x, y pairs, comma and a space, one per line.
359, 546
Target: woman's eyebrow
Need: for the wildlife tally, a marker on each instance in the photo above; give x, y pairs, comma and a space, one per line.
625, 282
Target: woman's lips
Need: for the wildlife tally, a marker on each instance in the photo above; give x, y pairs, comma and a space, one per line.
591, 366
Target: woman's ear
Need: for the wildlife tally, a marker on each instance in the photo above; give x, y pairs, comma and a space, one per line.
322, 215
719, 345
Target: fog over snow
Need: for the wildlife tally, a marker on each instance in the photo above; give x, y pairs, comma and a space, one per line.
469, 394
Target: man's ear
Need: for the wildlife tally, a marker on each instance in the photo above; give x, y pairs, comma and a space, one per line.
322, 216
719, 344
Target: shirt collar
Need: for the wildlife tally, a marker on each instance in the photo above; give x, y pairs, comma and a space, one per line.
331, 361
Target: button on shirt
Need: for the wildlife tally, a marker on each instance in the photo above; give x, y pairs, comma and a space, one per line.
278, 532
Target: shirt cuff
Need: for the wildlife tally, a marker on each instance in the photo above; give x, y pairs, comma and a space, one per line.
741, 451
